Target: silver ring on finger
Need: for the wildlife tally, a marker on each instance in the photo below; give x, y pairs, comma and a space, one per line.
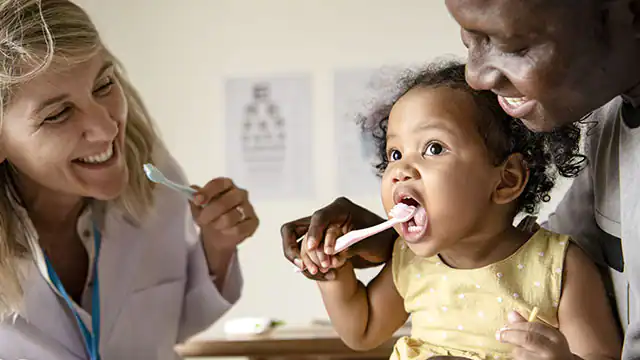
243, 215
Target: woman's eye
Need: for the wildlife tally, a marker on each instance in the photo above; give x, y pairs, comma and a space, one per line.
434, 149
395, 155
59, 116
104, 87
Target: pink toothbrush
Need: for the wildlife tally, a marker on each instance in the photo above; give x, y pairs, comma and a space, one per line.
399, 214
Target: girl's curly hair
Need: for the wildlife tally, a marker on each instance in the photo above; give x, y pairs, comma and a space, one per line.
545, 154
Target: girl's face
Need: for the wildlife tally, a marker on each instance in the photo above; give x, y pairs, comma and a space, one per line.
64, 132
438, 160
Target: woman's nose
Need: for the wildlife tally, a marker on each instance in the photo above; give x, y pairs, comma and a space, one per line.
99, 125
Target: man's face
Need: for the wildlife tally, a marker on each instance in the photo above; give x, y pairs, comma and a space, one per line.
550, 61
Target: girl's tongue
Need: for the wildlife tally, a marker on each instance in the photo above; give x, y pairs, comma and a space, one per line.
420, 218
415, 228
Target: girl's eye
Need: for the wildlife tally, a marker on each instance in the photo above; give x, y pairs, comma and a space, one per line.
395, 155
434, 149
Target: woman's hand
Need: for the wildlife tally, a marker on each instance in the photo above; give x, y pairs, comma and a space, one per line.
326, 225
534, 340
226, 218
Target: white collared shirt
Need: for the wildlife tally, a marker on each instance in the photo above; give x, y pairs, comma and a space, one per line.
155, 286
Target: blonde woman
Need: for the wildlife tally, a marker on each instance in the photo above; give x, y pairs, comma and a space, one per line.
96, 262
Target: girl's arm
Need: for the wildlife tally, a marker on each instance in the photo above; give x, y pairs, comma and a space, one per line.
363, 316
585, 315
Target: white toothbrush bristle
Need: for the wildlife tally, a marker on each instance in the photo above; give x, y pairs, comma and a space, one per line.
402, 211
151, 172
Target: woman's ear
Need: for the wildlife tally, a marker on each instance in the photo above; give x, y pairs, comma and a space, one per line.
514, 175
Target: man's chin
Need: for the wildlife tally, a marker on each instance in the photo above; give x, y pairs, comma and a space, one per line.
540, 124
542, 121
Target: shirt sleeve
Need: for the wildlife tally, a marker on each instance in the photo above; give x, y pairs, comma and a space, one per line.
575, 216
203, 303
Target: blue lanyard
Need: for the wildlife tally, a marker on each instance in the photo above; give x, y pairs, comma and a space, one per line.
91, 342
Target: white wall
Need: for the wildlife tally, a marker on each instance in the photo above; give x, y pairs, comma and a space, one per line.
178, 52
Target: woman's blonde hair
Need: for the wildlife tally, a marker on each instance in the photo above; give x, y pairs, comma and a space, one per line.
36, 35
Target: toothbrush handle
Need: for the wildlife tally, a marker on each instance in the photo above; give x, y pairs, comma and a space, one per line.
189, 192
354, 236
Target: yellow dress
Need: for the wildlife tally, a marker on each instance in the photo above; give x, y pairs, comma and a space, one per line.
457, 312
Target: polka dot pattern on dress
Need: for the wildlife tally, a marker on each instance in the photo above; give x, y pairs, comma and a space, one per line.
463, 308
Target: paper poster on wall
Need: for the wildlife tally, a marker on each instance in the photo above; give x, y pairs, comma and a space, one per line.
269, 136
355, 151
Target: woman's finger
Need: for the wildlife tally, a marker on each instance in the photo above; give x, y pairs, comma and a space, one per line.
222, 205
243, 229
212, 190
234, 217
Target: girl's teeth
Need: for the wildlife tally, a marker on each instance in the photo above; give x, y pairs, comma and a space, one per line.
100, 158
514, 101
414, 228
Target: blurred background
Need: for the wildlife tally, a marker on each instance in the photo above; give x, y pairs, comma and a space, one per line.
197, 63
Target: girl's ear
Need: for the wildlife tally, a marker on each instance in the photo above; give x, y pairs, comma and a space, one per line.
514, 175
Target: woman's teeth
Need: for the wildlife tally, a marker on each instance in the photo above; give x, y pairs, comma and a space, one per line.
515, 101
99, 158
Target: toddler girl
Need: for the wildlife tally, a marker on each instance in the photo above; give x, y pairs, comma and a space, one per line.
467, 276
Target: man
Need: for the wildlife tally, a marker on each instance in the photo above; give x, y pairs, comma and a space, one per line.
552, 62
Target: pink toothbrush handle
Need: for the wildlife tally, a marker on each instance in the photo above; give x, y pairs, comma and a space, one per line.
355, 236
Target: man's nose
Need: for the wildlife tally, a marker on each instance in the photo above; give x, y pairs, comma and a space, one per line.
480, 74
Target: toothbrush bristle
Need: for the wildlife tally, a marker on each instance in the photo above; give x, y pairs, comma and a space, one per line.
401, 210
149, 171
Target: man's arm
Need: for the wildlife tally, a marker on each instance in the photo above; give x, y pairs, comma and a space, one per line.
584, 312
576, 216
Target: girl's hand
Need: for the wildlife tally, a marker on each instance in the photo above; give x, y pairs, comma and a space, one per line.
315, 260
326, 225
534, 340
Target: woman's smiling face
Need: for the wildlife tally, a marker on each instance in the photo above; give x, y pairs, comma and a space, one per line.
64, 131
